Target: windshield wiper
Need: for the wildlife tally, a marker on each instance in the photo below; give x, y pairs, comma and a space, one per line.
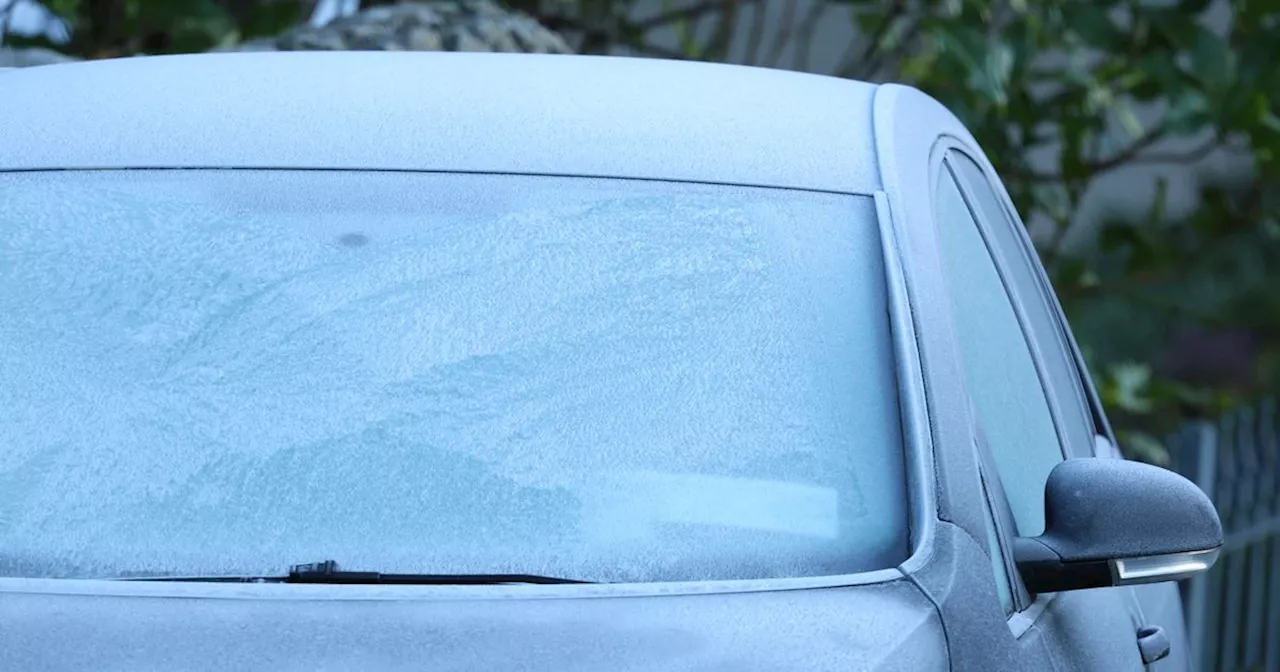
328, 572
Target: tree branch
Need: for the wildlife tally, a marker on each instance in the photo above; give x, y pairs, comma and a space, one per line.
1201, 151
1098, 167
1131, 155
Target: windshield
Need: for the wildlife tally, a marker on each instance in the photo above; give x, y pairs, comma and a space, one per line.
230, 372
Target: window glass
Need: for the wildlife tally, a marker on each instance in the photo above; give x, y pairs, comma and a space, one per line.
231, 372
999, 371
1042, 318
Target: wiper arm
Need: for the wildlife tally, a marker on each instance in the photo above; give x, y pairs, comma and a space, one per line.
328, 572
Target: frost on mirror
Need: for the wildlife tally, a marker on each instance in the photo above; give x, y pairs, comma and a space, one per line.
231, 372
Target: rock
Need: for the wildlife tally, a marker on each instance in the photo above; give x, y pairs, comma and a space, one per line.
465, 25
29, 57
424, 39
438, 25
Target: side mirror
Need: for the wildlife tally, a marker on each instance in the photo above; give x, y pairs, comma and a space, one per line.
1117, 523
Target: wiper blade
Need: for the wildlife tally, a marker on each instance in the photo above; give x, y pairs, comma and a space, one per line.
328, 572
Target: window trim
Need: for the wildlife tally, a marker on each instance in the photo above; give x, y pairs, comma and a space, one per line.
1002, 518
1027, 607
920, 493
1086, 391
1019, 309
913, 396
1028, 257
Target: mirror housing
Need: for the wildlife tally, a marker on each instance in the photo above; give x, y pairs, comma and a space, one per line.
1113, 522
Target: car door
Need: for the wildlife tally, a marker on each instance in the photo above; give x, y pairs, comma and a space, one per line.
1028, 415
1151, 604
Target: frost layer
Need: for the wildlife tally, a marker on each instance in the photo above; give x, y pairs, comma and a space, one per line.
231, 372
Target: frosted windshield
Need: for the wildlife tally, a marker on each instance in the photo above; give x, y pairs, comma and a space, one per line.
230, 372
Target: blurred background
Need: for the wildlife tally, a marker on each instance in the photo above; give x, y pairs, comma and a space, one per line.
1139, 139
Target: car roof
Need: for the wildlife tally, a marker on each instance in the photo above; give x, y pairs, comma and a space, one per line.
445, 111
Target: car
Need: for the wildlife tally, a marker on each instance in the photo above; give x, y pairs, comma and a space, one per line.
390, 361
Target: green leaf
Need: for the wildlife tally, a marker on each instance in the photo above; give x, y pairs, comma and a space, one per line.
1129, 387
1271, 228
1160, 70
1124, 113
1144, 447
1179, 29
1188, 112
1211, 59
270, 18
67, 10
1092, 23
999, 65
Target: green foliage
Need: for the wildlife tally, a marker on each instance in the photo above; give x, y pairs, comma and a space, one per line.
108, 28
1065, 77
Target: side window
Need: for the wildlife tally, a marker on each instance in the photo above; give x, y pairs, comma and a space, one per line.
1042, 317
1000, 373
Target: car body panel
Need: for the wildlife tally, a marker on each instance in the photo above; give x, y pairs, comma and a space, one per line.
887, 626
1110, 619
1160, 604
904, 150
588, 116
506, 113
